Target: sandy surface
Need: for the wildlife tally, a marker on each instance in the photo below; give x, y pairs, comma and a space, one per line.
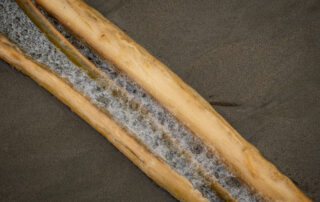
256, 62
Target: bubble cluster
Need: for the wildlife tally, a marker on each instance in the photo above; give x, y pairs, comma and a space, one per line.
127, 103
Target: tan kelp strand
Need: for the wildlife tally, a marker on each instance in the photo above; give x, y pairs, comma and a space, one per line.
123, 100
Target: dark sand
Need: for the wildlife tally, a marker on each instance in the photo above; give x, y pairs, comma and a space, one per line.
257, 62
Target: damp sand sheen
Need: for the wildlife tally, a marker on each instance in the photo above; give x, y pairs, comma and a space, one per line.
160, 123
